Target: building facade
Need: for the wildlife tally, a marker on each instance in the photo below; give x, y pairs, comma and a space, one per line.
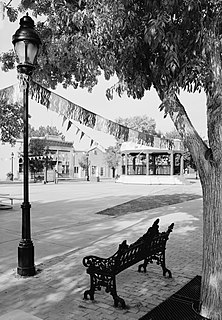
96, 162
61, 161
160, 164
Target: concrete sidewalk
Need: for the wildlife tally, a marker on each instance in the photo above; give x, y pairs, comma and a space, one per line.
56, 292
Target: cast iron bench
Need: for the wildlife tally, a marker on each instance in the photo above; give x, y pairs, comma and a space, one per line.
151, 246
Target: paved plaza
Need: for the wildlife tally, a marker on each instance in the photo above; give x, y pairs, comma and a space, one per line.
65, 228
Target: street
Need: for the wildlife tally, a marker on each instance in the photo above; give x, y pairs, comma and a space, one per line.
65, 227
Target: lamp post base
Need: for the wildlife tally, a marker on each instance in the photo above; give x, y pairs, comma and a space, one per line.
26, 265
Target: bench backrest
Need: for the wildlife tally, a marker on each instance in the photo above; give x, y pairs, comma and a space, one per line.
150, 244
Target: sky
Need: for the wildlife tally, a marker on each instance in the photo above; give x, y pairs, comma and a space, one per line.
97, 102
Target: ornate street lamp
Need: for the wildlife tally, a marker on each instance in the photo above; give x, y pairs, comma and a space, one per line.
87, 166
12, 158
26, 44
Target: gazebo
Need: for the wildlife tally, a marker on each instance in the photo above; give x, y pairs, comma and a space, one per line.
161, 163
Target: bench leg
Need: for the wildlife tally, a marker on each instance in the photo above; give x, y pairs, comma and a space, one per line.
107, 281
117, 300
90, 291
163, 265
159, 260
143, 265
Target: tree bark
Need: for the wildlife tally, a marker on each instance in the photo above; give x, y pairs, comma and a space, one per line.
209, 165
211, 286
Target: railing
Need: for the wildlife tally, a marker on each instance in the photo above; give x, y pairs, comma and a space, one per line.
142, 170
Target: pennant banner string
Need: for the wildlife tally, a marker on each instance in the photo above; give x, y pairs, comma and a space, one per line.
72, 111
92, 141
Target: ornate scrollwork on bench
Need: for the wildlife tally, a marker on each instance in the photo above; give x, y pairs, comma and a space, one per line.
150, 247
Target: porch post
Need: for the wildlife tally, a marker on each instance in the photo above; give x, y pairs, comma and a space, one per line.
126, 164
147, 164
181, 165
171, 163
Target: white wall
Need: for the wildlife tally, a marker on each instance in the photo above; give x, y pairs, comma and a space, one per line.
6, 159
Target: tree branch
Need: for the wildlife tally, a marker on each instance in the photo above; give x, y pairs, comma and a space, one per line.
8, 4
197, 147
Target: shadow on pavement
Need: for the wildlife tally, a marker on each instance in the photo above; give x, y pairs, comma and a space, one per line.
148, 203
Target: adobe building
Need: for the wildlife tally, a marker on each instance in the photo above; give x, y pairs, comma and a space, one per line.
59, 158
9, 160
62, 160
97, 164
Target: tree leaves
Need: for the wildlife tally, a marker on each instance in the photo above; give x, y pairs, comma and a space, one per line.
11, 123
139, 123
113, 156
145, 43
8, 60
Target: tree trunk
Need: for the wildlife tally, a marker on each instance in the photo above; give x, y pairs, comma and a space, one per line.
209, 166
211, 289
211, 286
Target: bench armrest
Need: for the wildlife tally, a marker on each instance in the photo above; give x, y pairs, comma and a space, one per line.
94, 262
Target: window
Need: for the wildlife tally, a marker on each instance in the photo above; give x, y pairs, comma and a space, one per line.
93, 170
76, 169
20, 165
101, 171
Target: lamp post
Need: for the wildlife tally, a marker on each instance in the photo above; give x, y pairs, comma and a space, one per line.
26, 44
87, 166
12, 158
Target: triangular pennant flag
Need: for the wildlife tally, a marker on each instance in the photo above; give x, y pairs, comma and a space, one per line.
91, 143
64, 120
63, 107
82, 135
69, 125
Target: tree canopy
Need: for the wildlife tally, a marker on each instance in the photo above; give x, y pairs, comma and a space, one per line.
44, 131
37, 147
139, 123
170, 45
11, 123
159, 43
113, 156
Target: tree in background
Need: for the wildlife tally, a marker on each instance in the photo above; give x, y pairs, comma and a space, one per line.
85, 163
172, 135
44, 131
11, 123
167, 45
113, 157
139, 123
37, 149
188, 160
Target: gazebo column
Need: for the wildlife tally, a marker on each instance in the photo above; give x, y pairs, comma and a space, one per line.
171, 163
123, 164
147, 164
181, 165
126, 163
